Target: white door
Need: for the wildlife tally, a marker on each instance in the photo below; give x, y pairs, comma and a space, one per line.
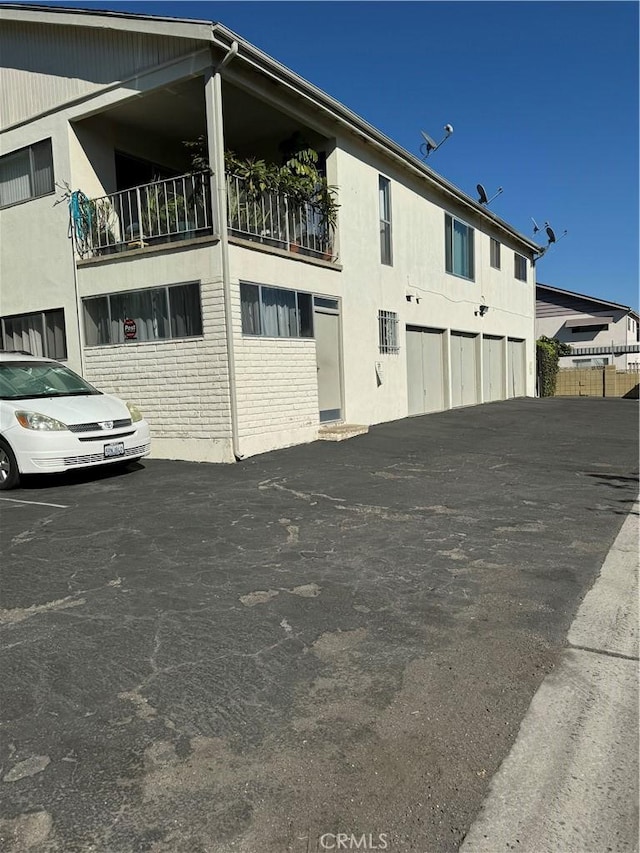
425, 370
464, 369
326, 325
492, 368
516, 355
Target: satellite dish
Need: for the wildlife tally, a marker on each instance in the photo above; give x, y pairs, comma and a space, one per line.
482, 195
430, 143
536, 227
551, 234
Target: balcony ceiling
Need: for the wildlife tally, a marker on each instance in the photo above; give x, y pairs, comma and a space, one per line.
177, 113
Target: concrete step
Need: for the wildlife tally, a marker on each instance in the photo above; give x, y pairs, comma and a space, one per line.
340, 432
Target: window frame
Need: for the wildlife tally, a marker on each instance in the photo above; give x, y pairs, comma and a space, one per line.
170, 317
30, 150
516, 258
388, 340
43, 315
261, 334
494, 253
449, 264
385, 222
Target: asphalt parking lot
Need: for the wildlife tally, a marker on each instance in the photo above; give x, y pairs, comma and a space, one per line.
330, 638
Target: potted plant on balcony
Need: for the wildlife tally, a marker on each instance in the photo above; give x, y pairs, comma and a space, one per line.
282, 204
163, 212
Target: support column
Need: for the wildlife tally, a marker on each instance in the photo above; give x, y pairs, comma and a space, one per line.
215, 145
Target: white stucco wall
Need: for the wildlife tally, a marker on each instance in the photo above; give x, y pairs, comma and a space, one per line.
446, 301
36, 260
621, 331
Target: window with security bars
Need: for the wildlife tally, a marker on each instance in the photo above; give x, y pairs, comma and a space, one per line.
388, 331
27, 173
39, 333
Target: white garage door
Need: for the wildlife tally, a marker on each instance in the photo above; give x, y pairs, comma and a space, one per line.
492, 368
516, 359
425, 370
464, 369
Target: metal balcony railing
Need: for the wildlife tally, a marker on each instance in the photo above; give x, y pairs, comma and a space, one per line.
274, 219
161, 212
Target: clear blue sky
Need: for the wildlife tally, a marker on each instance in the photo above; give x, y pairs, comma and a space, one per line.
543, 97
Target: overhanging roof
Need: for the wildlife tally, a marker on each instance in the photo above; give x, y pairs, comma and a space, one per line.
548, 288
220, 36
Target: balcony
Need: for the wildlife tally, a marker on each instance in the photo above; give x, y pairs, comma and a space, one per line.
274, 219
180, 209
148, 215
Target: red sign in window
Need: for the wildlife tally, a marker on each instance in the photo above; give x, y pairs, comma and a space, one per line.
130, 329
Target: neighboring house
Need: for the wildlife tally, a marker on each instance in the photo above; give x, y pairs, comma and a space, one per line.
236, 337
600, 332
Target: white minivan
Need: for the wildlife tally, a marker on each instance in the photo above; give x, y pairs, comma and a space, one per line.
52, 420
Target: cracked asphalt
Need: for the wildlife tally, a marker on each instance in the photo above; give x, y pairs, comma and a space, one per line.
337, 637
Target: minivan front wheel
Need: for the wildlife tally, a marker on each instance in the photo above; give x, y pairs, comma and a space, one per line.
9, 474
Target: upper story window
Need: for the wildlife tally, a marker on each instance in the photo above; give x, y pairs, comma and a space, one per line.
131, 316
27, 173
519, 267
458, 247
388, 331
384, 193
495, 254
39, 333
272, 312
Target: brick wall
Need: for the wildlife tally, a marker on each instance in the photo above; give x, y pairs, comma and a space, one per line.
277, 389
181, 386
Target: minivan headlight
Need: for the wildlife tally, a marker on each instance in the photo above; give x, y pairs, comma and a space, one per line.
34, 420
134, 411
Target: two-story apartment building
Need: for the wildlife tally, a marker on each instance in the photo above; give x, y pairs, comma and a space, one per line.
599, 331
239, 325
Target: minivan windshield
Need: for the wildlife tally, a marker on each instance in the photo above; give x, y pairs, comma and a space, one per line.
31, 380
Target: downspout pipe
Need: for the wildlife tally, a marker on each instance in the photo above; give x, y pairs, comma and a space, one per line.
221, 189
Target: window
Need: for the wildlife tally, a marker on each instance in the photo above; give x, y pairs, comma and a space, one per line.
41, 333
591, 327
27, 173
388, 331
590, 362
384, 192
272, 312
495, 254
159, 313
458, 243
519, 267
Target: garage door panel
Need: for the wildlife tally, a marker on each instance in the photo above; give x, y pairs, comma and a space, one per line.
517, 383
493, 368
415, 378
425, 370
464, 369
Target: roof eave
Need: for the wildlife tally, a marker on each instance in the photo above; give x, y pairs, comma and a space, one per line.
605, 302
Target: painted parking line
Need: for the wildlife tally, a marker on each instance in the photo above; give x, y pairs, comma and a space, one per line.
35, 503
